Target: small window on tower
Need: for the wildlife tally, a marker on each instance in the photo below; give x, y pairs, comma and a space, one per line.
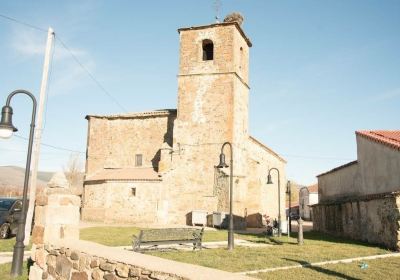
133, 190
138, 160
208, 50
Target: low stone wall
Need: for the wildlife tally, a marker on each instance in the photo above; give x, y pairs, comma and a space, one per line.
66, 263
84, 260
374, 219
58, 254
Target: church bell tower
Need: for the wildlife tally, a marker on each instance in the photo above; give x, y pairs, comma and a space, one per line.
213, 85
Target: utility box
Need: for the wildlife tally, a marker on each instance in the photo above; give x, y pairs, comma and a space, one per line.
198, 217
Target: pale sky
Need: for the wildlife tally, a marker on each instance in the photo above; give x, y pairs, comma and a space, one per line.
319, 71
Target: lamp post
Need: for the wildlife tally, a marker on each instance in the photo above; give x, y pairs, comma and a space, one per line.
222, 164
289, 193
6, 131
279, 196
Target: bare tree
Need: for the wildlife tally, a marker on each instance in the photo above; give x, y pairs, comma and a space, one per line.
74, 173
294, 193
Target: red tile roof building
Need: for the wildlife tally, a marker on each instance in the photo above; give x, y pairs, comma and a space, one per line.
360, 199
390, 138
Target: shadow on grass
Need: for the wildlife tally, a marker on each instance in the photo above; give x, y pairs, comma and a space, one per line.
309, 235
323, 270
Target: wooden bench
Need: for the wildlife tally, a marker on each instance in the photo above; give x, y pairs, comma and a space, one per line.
164, 236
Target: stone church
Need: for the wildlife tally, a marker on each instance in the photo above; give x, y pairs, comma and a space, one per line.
156, 167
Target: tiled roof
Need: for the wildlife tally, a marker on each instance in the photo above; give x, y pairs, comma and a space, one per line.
125, 174
267, 148
337, 168
157, 113
313, 188
390, 138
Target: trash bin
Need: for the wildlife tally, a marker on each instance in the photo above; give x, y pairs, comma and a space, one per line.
199, 217
218, 219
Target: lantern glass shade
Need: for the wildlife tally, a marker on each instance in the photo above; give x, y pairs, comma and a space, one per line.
5, 132
6, 126
269, 181
222, 163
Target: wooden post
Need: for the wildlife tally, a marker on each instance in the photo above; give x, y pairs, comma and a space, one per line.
38, 135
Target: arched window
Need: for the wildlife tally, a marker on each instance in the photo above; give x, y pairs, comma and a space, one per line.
208, 50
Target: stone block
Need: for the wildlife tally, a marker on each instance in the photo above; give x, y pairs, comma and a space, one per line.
38, 234
84, 262
55, 232
106, 266
75, 255
33, 251
51, 270
41, 200
97, 274
110, 276
122, 270
35, 273
68, 252
95, 262
40, 257
63, 215
79, 276
63, 267
134, 271
159, 276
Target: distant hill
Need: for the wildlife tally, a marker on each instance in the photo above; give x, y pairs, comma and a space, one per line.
12, 180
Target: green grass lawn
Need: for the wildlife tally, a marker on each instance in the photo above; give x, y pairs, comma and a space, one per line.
316, 248
5, 272
283, 251
282, 254
122, 236
388, 268
7, 245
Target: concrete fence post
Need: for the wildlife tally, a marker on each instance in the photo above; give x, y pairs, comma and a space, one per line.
56, 218
300, 240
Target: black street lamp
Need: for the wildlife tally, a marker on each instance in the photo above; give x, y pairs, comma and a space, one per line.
222, 164
279, 196
289, 193
6, 131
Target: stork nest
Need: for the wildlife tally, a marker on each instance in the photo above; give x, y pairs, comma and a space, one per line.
234, 17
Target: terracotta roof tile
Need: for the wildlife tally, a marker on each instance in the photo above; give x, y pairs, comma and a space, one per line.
157, 113
125, 174
390, 138
313, 188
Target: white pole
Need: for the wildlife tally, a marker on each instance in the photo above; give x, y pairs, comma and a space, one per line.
38, 135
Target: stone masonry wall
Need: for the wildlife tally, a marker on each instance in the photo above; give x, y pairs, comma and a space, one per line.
262, 198
374, 219
62, 263
114, 142
114, 202
231, 52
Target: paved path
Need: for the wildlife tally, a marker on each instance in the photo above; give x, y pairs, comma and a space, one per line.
6, 257
322, 263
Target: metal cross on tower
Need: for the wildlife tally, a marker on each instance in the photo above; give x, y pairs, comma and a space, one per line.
217, 7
